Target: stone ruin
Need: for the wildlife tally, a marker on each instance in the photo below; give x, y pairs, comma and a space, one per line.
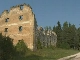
47, 37
19, 23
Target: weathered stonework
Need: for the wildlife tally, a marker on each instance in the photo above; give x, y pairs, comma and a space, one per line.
18, 24
47, 37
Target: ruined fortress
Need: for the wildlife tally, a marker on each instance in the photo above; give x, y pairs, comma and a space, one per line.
19, 23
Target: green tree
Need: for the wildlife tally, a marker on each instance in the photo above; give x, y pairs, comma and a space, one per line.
6, 48
58, 31
21, 47
78, 34
70, 35
73, 40
64, 43
54, 28
38, 44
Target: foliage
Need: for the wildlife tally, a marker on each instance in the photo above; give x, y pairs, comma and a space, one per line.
6, 48
39, 45
21, 47
58, 31
68, 36
64, 45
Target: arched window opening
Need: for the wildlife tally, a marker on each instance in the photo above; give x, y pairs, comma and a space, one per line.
21, 17
20, 28
6, 29
21, 7
6, 20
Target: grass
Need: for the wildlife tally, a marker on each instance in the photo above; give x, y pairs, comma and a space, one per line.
46, 54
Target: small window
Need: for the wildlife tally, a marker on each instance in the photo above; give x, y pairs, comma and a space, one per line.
19, 40
21, 7
6, 29
20, 17
6, 20
20, 28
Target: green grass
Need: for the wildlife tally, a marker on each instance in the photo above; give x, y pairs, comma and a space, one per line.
46, 54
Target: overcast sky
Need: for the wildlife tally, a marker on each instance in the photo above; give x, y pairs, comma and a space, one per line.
48, 12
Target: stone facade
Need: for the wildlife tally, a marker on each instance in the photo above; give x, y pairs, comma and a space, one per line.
18, 24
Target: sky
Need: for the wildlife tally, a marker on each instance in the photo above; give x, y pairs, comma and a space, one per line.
49, 12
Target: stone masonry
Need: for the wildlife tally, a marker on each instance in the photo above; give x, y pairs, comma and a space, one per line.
18, 24
46, 37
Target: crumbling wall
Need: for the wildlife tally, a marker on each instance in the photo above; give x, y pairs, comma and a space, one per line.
47, 37
18, 24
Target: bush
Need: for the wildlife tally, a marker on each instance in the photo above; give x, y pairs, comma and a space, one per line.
39, 45
64, 45
6, 48
21, 47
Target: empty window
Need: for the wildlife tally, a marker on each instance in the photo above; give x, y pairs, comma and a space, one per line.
6, 29
20, 28
21, 7
19, 40
21, 17
6, 20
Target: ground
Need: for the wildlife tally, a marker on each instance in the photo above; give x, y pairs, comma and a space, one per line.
46, 54
71, 57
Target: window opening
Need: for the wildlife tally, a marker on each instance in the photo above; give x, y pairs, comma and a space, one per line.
20, 28
19, 40
6, 29
21, 7
7, 20
20, 17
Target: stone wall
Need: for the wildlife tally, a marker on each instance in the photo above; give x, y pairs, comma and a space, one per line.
18, 24
47, 37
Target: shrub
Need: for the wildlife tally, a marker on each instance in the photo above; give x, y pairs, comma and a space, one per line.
64, 45
6, 48
39, 45
21, 47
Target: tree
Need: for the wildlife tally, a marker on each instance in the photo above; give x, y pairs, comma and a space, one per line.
78, 35
21, 47
73, 40
58, 31
70, 35
54, 28
65, 34
39, 45
6, 48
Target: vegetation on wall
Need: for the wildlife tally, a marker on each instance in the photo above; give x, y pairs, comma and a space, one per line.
21, 47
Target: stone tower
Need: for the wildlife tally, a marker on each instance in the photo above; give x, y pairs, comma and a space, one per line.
19, 23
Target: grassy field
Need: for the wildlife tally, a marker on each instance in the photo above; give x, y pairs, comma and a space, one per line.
46, 54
